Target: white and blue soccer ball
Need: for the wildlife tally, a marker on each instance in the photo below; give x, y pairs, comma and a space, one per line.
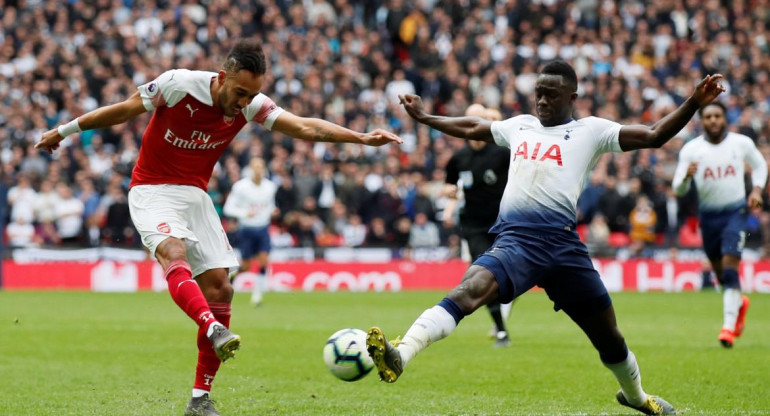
345, 354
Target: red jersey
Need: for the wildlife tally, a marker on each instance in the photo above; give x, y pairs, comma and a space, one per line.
188, 132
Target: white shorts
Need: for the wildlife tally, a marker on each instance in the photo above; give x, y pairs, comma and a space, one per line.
184, 212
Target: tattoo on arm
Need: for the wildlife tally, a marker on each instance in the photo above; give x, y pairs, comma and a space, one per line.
322, 135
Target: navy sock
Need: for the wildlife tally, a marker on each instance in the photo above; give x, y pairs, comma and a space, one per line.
730, 279
452, 308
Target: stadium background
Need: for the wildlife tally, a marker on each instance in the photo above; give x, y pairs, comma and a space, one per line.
345, 61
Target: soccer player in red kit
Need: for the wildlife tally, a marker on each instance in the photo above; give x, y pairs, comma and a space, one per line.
196, 116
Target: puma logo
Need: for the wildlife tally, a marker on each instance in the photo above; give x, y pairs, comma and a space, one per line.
192, 111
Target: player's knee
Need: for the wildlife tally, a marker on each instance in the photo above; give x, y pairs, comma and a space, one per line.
477, 289
215, 285
171, 249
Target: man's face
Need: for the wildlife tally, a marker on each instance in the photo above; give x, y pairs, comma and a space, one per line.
714, 121
257, 167
554, 99
237, 90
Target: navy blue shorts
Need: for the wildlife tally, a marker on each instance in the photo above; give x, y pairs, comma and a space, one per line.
724, 232
253, 240
554, 259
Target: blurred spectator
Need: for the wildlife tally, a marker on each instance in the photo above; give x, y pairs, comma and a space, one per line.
45, 202
402, 232
609, 204
118, 228
69, 215
377, 235
643, 220
338, 217
22, 198
423, 233
21, 233
280, 237
47, 234
34, 164
354, 232
305, 230
285, 196
588, 203
325, 191
598, 237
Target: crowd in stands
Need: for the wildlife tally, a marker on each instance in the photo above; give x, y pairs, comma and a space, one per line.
346, 61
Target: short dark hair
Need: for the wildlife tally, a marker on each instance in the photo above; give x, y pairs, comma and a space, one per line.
716, 104
562, 69
246, 54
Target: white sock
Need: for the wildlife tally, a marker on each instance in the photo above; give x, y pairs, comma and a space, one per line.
630, 379
505, 310
732, 301
199, 393
256, 291
433, 325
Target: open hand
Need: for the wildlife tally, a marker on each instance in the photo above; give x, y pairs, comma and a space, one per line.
380, 137
708, 89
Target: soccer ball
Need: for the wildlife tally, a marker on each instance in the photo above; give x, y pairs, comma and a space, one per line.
345, 354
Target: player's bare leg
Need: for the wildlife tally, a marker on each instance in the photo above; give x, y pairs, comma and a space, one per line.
602, 330
477, 288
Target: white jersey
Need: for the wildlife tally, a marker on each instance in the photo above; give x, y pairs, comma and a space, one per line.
251, 204
719, 178
549, 167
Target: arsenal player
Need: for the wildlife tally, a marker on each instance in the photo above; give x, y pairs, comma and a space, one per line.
196, 114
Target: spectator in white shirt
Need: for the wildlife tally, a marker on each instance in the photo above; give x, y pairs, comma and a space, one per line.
69, 215
353, 233
20, 233
45, 202
21, 198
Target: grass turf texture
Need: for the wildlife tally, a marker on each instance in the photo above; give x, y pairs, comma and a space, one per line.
134, 354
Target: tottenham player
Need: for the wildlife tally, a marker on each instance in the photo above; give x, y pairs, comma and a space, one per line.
252, 202
551, 156
715, 162
196, 114
480, 171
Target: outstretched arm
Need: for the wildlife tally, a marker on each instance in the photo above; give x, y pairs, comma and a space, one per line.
641, 137
97, 119
469, 128
318, 130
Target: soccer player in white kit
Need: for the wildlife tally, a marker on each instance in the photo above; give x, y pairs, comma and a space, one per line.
551, 157
715, 162
252, 202
196, 114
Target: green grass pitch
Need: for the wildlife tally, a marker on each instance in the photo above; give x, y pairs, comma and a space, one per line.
64, 353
